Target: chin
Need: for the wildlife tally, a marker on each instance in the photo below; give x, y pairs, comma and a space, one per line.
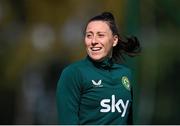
97, 58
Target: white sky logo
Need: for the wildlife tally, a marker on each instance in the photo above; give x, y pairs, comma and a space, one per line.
111, 105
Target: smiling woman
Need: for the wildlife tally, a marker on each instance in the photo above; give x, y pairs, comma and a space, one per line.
98, 89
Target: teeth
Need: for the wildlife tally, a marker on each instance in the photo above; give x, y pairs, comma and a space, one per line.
96, 48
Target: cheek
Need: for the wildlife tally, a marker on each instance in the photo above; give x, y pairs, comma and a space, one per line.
108, 44
86, 42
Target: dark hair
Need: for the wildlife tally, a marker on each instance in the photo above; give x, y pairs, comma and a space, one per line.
128, 45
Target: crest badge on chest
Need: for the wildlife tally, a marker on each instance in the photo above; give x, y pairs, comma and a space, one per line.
126, 82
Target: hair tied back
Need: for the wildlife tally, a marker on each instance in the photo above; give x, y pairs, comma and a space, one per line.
108, 15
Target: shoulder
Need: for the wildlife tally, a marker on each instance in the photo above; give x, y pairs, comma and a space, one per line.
127, 69
124, 68
75, 67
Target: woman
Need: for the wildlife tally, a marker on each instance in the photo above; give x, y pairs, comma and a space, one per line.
98, 89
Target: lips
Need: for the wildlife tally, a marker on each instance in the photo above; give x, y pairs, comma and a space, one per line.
96, 48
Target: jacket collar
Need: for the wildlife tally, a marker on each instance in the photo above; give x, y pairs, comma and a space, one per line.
107, 63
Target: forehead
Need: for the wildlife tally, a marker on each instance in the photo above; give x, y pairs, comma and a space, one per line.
98, 26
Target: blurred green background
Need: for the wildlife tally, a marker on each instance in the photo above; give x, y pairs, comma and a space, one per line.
38, 38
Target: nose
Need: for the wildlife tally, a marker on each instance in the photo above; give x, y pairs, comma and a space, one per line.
93, 41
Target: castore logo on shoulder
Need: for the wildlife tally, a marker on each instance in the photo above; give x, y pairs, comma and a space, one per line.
97, 83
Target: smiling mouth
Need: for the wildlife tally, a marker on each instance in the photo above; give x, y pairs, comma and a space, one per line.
96, 48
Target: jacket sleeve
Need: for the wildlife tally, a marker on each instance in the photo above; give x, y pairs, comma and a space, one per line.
130, 118
68, 97
134, 93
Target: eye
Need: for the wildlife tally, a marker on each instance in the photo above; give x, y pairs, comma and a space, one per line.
101, 35
88, 35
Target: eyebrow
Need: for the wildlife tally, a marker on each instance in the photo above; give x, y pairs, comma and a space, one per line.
97, 32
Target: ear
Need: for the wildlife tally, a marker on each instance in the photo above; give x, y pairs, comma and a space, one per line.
115, 40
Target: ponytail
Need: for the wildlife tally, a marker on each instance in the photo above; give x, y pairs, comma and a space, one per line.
129, 46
